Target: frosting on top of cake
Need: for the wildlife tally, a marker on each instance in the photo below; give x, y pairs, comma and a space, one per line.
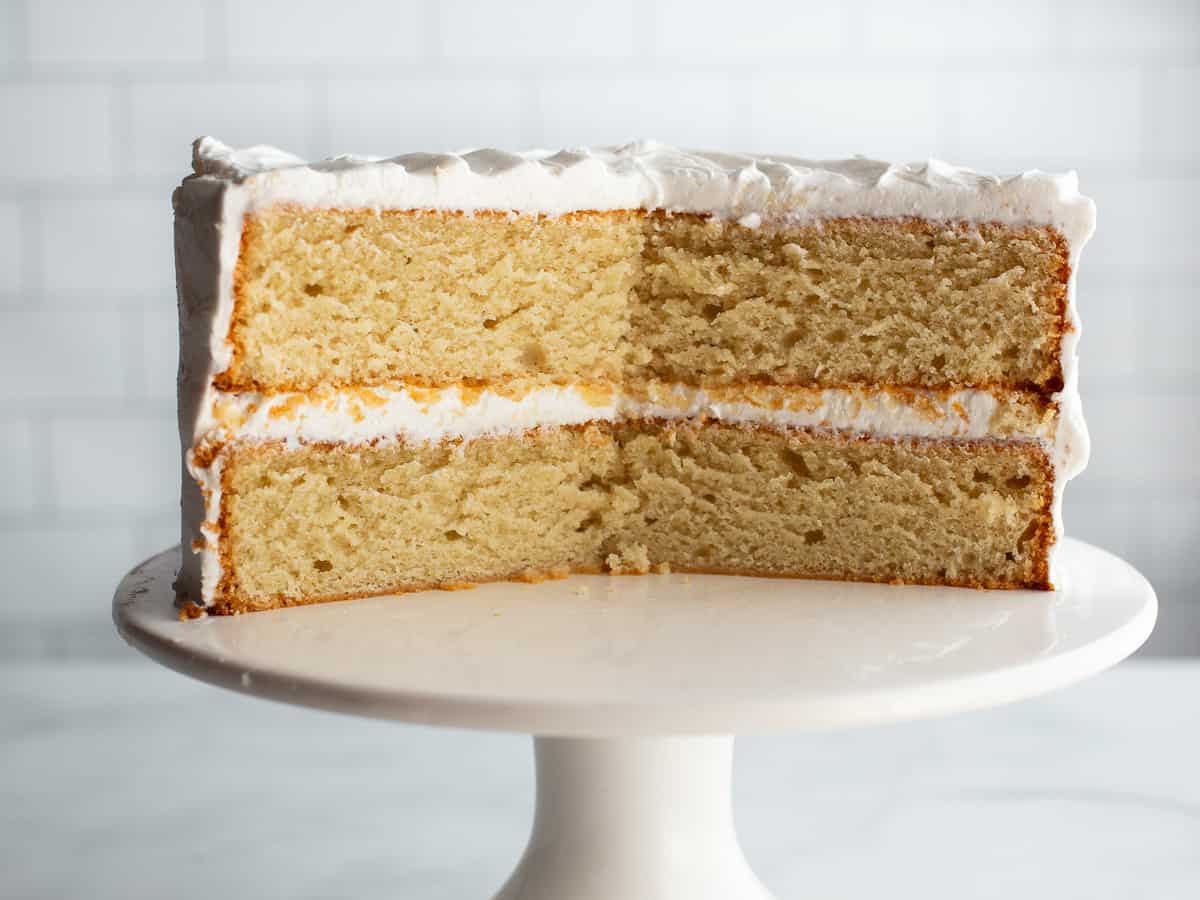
650, 175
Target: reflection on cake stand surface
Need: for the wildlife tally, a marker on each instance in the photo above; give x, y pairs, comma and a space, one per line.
630, 685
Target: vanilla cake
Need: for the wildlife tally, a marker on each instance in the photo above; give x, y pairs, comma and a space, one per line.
437, 370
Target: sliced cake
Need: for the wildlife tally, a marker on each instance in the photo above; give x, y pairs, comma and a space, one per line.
437, 370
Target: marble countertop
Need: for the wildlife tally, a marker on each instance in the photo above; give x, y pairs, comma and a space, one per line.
128, 781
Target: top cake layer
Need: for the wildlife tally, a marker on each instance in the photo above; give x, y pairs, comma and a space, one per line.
621, 264
649, 175
439, 268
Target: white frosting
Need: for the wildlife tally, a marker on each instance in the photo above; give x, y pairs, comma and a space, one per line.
205, 569
430, 416
648, 175
753, 190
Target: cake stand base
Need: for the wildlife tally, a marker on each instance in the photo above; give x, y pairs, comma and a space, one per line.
646, 818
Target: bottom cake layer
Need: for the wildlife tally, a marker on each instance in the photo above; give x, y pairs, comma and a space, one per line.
325, 522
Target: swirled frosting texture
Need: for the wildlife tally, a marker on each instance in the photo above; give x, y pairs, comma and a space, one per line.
649, 175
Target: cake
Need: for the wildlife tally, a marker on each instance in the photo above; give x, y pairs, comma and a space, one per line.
433, 371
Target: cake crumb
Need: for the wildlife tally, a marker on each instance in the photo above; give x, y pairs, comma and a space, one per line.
631, 560
190, 610
537, 576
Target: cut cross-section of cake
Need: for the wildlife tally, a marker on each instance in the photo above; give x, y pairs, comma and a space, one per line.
438, 370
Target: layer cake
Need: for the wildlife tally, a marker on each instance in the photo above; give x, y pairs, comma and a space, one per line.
437, 370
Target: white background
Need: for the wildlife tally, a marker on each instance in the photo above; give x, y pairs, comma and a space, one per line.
99, 102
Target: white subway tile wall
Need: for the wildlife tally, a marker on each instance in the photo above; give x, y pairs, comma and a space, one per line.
753, 31
251, 110
314, 32
101, 100
1129, 28
1048, 117
115, 33
64, 566
689, 110
159, 341
104, 463
65, 357
523, 35
374, 116
960, 29
884, 114
104, 243
1172, 126
16, 466
11, 28
1147, 219
12, 250
57, 129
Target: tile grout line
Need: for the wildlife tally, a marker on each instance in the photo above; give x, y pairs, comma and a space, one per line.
33, 275
121, 125
848, 56
133, 355
434, 38
54, 516
45, 497
1145, 103
21, 40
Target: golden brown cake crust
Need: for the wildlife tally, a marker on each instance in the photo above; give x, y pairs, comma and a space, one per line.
239, 605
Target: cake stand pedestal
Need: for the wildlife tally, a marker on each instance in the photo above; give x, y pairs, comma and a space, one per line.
631, 684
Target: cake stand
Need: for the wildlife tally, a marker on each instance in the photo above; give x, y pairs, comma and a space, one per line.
631, 686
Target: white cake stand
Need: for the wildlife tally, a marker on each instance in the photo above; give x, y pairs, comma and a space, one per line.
630, 684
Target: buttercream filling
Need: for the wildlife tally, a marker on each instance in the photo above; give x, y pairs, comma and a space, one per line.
362, 415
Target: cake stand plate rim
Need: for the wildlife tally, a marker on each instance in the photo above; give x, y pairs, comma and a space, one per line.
1001, 647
